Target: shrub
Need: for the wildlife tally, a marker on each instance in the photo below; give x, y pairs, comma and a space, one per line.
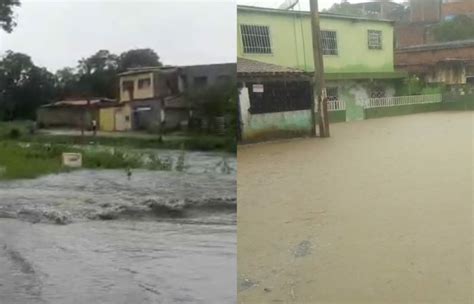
14, 133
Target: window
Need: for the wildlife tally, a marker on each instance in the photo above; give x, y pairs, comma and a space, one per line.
127, 85
332, 93
375, 40
144, 83
256, 39
329, 42
377, 92
200, 81
280, 96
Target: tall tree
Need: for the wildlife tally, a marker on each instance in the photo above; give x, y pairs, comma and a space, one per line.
97, 75
24, 86
138, 58
7, 18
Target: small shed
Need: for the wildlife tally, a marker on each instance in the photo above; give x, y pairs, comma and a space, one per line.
274, 101
72, 113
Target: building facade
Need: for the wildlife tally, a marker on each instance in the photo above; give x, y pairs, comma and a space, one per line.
358, 52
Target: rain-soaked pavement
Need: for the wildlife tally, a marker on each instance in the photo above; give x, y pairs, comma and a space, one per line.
98, 237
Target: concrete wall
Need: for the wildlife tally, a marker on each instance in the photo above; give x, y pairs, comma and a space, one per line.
401, 110
66, 117
425, 10
261, 127
138, 93
458, 103
215, 74
292, 47
116, 119
455, 8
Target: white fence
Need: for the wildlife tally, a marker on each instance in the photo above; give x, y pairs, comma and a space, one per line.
403, 100
334, 105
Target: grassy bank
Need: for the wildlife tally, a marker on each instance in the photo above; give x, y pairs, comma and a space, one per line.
30, 160
192, 142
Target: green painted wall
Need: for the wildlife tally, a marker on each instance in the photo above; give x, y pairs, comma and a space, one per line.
335, 116
260, 127
458, 103
292, 43
401, 110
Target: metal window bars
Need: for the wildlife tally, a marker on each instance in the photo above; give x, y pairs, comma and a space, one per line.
329, 42
375, 40
256, 39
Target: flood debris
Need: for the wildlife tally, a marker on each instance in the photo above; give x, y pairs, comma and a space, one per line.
302, 249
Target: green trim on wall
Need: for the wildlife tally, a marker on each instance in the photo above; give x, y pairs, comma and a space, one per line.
401, 110
334, 116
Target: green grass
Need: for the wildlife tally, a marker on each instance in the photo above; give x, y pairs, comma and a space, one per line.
17, 162
193, 143
27, 160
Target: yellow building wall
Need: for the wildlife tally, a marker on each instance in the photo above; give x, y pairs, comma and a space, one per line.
107, 119
138, 93
123, 118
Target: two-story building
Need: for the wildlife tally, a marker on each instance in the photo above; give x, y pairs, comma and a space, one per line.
149, 99
358, 52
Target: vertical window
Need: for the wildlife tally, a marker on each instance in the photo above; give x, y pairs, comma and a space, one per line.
144, 83
333, 93
329, 42
127, 85
375, 40
256, 39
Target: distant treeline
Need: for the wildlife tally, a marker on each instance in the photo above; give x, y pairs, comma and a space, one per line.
24, 86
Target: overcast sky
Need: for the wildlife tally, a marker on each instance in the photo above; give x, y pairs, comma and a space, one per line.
304, 4
58, 33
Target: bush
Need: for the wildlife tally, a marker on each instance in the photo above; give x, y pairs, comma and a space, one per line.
14, 133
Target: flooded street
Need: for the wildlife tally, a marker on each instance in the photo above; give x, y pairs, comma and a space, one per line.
98, 237
381, 212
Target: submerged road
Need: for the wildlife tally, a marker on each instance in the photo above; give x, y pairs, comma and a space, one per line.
381, 212
97, 237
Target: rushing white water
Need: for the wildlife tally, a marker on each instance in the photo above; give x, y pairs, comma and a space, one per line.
99, 237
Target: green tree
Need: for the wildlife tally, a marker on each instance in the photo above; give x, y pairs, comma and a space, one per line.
7, 19
24, 87
138, 58
97, 75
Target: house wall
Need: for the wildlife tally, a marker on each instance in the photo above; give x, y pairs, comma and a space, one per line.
212, 72
459, 7
427, 61
123, 118
261, 127
66, 117
291, 41
107, 119
138, 93
425, 10
356, 94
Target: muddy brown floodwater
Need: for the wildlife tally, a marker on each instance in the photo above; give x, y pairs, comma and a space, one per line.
99, 237
381, 212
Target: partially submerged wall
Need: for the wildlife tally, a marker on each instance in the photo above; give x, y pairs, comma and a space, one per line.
401, 110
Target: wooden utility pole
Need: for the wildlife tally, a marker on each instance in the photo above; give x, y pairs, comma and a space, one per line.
319, 83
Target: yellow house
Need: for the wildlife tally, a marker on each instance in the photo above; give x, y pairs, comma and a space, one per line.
116, 118
143, 99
